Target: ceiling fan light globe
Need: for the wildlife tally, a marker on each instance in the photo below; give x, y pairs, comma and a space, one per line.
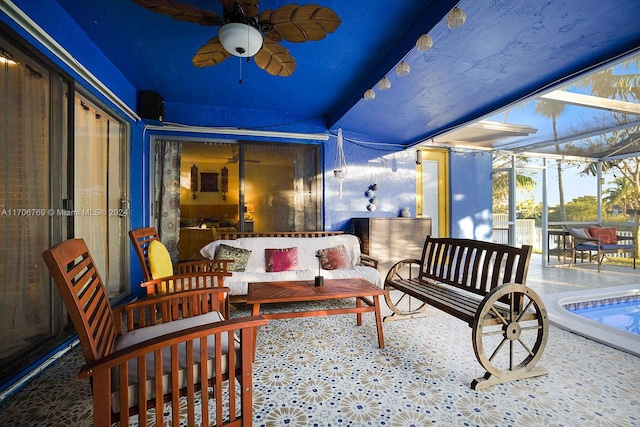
240, 39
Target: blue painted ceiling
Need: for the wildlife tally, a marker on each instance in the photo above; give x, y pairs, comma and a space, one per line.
506, 50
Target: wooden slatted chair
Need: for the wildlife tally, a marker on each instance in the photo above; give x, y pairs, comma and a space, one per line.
141, 239
163, 348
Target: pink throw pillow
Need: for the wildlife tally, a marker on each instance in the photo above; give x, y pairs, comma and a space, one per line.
334, 258
607, 235
281, 259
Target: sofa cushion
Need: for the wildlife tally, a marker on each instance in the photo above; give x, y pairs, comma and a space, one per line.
137, 336
159, 260
334, 258
239, 256
581, 232
281, 259
160, 264
307, 249
607, 235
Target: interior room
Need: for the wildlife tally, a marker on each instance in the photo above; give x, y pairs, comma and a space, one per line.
200, 123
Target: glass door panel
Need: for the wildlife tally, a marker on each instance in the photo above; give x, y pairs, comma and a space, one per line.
99, 191
26, 317
281, 187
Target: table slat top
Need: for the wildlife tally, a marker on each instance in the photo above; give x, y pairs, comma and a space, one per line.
304, 290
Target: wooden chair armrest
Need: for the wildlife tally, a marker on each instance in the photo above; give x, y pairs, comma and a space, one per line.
580, 240
120, 357
163, 308
368, 261
206, 265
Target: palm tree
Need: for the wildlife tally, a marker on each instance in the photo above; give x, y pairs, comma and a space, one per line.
554, 110
624, 193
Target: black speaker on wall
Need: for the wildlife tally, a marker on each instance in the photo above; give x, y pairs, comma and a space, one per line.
150, 105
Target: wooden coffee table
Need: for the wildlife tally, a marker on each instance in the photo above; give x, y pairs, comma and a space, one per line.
304, 290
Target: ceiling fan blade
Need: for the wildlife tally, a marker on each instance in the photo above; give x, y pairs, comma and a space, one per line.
275, 59
250, 6
181, 11
251, 161
298, 24
211, 53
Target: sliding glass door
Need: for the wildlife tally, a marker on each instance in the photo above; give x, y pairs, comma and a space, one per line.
231, 186
53, 187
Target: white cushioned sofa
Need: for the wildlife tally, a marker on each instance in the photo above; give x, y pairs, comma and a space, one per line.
307, 261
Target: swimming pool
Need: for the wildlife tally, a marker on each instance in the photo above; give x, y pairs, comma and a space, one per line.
558, 308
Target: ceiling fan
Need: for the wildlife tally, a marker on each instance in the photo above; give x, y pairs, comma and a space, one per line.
245, 32
235, 158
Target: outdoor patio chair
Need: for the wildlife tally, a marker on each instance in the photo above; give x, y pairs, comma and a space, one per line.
143, 238
163, 348
583, 241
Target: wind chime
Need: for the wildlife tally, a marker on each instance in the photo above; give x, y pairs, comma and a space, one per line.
340, 164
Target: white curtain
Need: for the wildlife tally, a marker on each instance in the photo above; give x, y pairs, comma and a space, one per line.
167, 194
25, 293
90, 182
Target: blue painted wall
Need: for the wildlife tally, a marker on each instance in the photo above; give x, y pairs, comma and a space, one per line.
394, 174
470, 178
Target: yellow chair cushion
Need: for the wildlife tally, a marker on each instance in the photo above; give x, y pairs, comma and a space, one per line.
160, 262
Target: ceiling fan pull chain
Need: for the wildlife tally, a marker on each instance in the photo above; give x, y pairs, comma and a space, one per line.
240, 81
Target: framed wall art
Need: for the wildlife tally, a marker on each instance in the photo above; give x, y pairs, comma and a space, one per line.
209, 181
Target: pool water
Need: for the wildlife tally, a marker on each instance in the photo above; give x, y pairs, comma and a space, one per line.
623, 315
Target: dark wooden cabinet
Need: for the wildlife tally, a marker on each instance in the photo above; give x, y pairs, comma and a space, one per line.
392, 239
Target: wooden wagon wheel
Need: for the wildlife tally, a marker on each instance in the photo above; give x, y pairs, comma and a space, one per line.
510, 331
400, 303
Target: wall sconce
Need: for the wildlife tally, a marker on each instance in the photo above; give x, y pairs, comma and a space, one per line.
418, 157
194, 181
224, 182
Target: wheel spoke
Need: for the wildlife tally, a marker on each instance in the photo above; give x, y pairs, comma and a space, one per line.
400, 299
490, 333
511, 355
512, 308
525, 310
495, 352
499, 316
525, 347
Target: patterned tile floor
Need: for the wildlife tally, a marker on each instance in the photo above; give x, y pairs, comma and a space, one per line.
327, 372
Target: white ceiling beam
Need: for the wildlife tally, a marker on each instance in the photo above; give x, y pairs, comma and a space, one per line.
591, 101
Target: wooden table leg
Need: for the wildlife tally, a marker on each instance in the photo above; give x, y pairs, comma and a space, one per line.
376, 304
255, 311
359, 315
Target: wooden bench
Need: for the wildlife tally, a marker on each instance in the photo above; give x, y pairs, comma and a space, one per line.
482, 284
